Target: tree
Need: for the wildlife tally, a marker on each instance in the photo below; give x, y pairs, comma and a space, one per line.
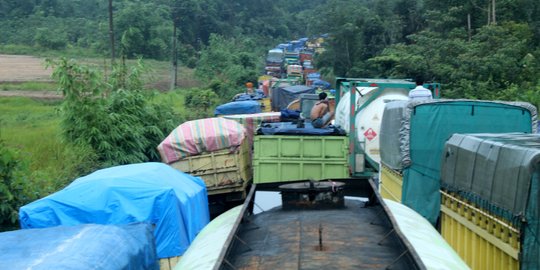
111, 29
113, 117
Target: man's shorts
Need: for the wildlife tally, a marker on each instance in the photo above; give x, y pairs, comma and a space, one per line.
319, 122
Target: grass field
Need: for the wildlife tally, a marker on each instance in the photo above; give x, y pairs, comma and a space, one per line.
33, 128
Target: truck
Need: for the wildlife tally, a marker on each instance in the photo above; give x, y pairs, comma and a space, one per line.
216, 150
370, 97
274, 62
317, 227
412, 139
489, 190
353, 155
295, 71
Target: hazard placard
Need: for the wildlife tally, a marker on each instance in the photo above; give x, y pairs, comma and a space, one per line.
370, 134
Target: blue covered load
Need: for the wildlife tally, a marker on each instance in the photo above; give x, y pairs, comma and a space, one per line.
174, 202
89, 246
238, 107
321, 84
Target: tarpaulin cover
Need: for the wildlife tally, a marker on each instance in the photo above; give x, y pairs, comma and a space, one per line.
91, 246
281, 97
199, 136
244, 96
289, 115
252, 121
238, 107
289, 128
174, 202
499, 173
389, 134
425, 127
321, 84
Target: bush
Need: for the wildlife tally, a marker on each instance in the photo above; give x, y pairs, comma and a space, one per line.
113, 116
201, 103
14, 188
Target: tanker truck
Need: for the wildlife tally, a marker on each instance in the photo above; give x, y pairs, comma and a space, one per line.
289, 154
363, 129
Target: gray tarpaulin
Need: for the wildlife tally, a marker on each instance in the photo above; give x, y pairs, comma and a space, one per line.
493, 169
389, 134
499, 173
281, 97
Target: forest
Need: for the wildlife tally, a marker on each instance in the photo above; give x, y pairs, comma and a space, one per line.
484, 49
477, 49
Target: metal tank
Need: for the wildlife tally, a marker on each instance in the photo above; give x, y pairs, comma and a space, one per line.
371, 96
370, 102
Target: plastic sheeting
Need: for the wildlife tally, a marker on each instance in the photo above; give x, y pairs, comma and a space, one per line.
499, 173
238, 107
174, 202
281, 97
199, 136
289, 128
96, 247
258, 95
389, 134
321, 84
205, 250
425, 127
252, 121
430, 246
313, 76
492, 170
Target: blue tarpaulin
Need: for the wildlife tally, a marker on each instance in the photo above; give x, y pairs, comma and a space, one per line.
255, 96
290, 128
174, 202
238, 107
89, 246
320, 84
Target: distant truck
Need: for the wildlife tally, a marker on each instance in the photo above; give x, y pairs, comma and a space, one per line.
274, 62
295, 71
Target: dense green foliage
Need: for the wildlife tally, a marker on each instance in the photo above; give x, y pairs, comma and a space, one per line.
496, 58
13, 187
111, 115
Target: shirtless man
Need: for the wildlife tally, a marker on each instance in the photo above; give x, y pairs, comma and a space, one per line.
320, 113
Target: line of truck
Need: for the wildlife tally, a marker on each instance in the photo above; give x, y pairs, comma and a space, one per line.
293, 60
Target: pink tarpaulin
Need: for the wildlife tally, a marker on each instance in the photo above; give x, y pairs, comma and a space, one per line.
252, 121
199, 136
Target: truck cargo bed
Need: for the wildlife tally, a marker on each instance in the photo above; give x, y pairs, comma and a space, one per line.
360, 236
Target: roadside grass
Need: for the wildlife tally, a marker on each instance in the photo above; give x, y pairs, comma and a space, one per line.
28, 86
32, 127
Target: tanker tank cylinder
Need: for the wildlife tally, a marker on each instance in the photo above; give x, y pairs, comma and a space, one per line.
312, 195
368, 115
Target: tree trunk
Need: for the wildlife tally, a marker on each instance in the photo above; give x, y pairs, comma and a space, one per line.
489, 14
174, 69
111, 30
494, 21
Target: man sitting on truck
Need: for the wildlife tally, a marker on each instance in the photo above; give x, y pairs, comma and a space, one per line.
320, 113
420, 92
